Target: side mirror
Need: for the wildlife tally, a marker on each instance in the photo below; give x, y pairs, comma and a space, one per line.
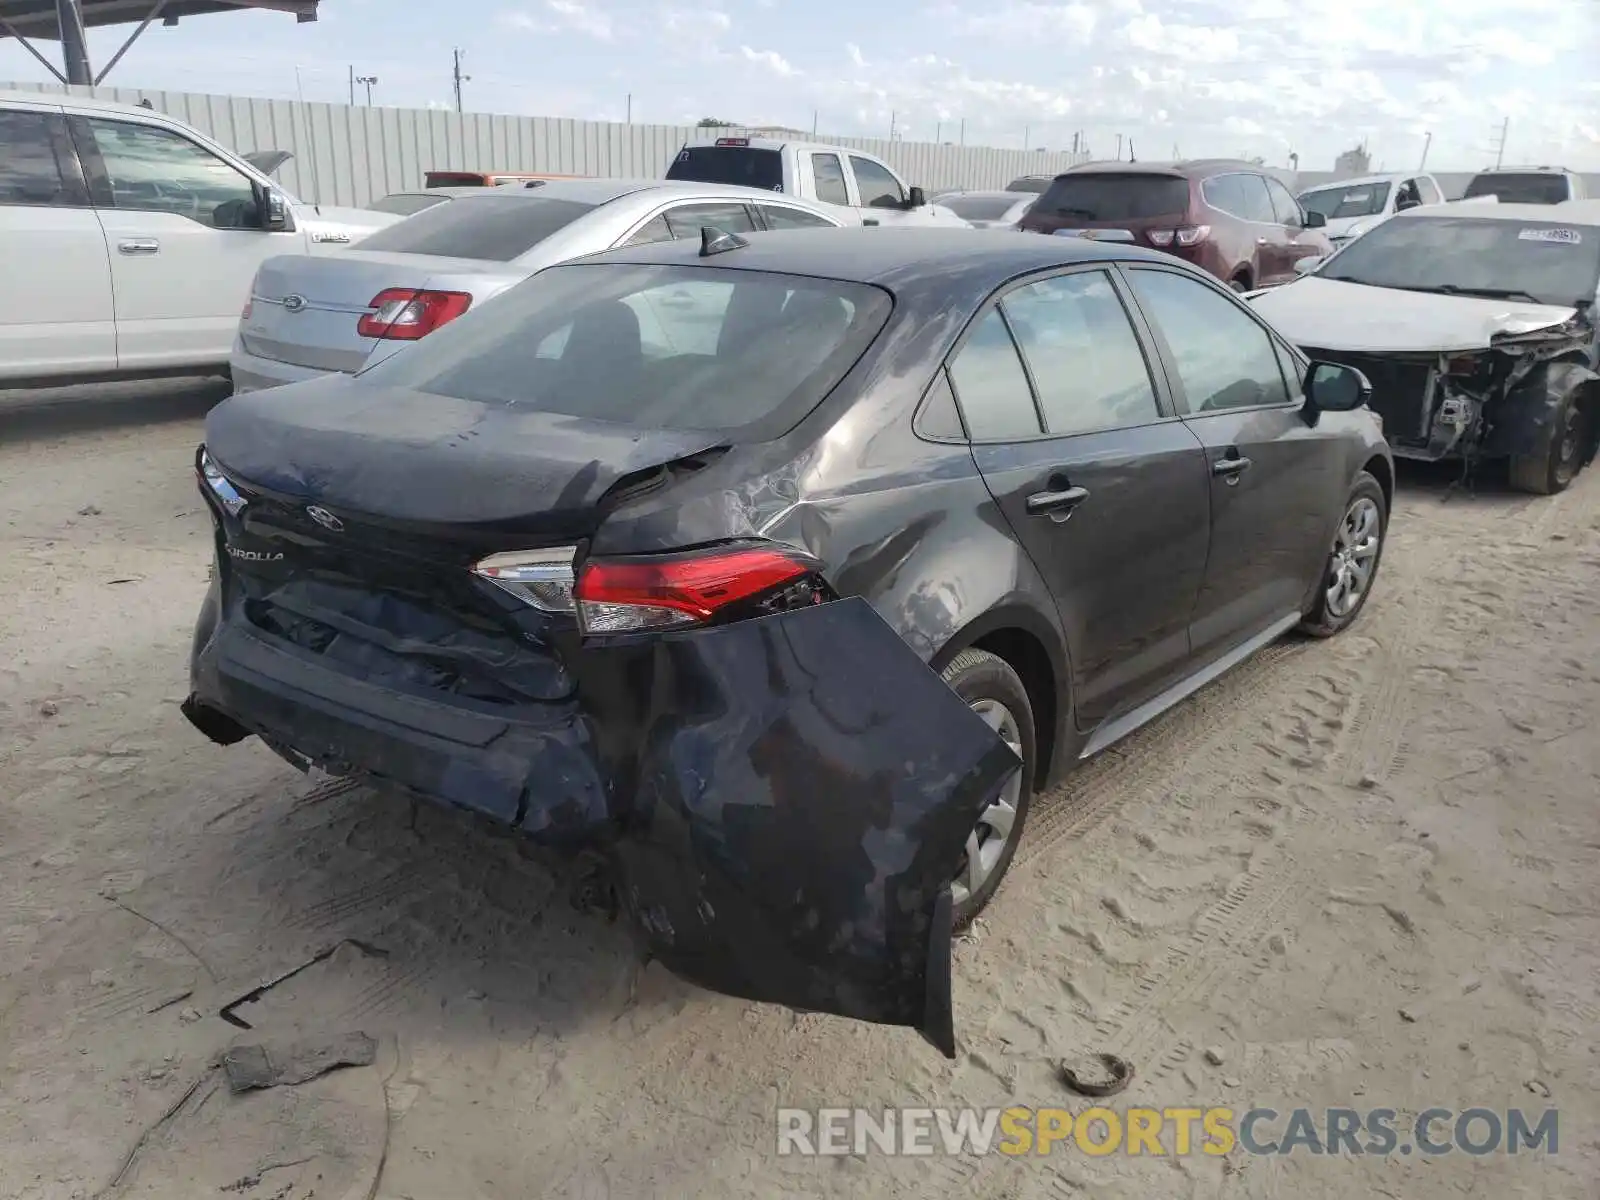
1334, 387
1304, 266
1315, 220
273, 209
915, 197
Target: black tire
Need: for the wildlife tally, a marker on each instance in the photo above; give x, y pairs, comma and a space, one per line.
976, 675
1555, 470
1240, 283
1321, 621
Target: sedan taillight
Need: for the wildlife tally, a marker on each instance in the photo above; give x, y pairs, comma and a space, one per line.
627, 595
1184, 235
406, 314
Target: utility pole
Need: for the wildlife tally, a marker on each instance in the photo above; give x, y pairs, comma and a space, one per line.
1074, 145
938, 132
892, 115
1119, 147
963, 141
813, 122
459, 78
352, 85
1500, 151
74, 44
1024, 137
630, 108
369, 80
1427, 141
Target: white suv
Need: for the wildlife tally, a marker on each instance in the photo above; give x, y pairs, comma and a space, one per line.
1526, 185
129, 241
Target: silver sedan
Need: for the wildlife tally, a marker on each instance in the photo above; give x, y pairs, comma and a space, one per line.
310, 316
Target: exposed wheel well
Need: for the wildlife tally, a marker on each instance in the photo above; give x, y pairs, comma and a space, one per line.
1027, 656
1589, 405
1378, 467
1244, 276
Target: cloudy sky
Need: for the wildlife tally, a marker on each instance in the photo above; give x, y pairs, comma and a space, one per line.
1257, 77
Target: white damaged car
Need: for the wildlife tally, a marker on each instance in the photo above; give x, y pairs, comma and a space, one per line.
1476, 327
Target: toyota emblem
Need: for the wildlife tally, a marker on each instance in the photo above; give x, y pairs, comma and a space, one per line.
293, 303
324, 518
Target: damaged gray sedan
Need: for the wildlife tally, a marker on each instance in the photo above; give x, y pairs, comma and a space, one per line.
783, 571
1476, 326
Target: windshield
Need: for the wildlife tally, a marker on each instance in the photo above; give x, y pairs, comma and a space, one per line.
743, 165
1516, 187
970, 207
1548, 263
493, 227
1115, 197
1336, 203
655, 347
406, 204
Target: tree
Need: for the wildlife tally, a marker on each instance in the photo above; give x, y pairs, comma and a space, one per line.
713, 123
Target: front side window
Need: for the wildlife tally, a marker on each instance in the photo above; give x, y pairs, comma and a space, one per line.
157, 170
991, 386
1224, 358
1255, 203
30, 174
1284, 207
828, 174
1429, 191
1084, 355
1337, 203
877, 184
1531, 262
688, 220
740, 353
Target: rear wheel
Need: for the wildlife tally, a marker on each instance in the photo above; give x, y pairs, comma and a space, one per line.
1352, 561
994, 692
1554, 471
1240, 283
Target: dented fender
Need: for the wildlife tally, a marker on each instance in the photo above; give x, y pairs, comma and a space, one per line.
801, 789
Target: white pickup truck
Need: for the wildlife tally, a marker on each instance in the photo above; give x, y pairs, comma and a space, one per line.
128, 241
834, 175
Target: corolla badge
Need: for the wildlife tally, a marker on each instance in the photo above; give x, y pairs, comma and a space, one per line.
324, 518
293, 303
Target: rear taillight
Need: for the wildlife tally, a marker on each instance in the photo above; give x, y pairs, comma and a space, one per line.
245, 315
406, 314
626, 595
1184, 235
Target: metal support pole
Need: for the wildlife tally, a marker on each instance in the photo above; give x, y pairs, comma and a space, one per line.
74, 44
132, 38
10, 30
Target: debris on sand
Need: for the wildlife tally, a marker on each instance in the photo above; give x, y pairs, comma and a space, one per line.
263, 1066
1097, 1074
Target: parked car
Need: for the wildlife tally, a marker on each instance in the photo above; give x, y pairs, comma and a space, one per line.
1526, 185
1030, 183
1352, 206
458, 179
309, 315
990, 210
833, 175
1229, 218
136, 237
1476, 325
785, 568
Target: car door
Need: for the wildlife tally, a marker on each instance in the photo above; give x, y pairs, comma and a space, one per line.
880, 200
1103, 487
828, 184
1295, 240
56, 315
1275, 481
184, 236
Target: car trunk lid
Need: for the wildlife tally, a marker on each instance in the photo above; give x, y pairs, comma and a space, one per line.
306, 309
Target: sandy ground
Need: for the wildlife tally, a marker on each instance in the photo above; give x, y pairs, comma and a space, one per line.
1405, 817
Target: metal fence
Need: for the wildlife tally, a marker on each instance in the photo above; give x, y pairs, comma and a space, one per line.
352, 155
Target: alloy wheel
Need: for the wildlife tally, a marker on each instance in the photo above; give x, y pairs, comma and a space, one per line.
1355, 556
986, 844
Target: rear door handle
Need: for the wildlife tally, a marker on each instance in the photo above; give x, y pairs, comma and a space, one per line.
1056, 504
139, 246
1231, 465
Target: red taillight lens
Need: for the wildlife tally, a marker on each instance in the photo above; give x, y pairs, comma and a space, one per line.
245, 315
406, 314
622, 595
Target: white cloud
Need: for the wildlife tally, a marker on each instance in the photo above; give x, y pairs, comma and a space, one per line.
569, 14
1021, 19
856, 59
771, 60
705, 22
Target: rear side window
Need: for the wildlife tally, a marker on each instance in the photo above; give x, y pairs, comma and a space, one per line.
1085, 358
828, 174
1111, 196
744, 354
1514, 187
406, 204
991, 386
29, 172
1241, 195
1224, 358
748, 166
491, 227
876, 184
778, 216
688, 220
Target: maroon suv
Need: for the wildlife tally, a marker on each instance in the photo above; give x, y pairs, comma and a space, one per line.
1229, 218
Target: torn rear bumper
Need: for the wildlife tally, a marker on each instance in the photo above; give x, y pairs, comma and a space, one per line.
785, 798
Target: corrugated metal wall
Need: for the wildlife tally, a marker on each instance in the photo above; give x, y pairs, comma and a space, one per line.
349, 156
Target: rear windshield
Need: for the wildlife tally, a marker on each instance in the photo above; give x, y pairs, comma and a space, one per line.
455, 179
406, 203
743, 353
744, 165
1336, 203
1113, 197
980, 208
492, 227
1513, 260
1513, 187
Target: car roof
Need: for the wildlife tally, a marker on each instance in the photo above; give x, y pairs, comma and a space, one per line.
895, 256
58, 99
1363, 180
995, 194
1570, 212
603, 191
1525, 171
1192, 168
